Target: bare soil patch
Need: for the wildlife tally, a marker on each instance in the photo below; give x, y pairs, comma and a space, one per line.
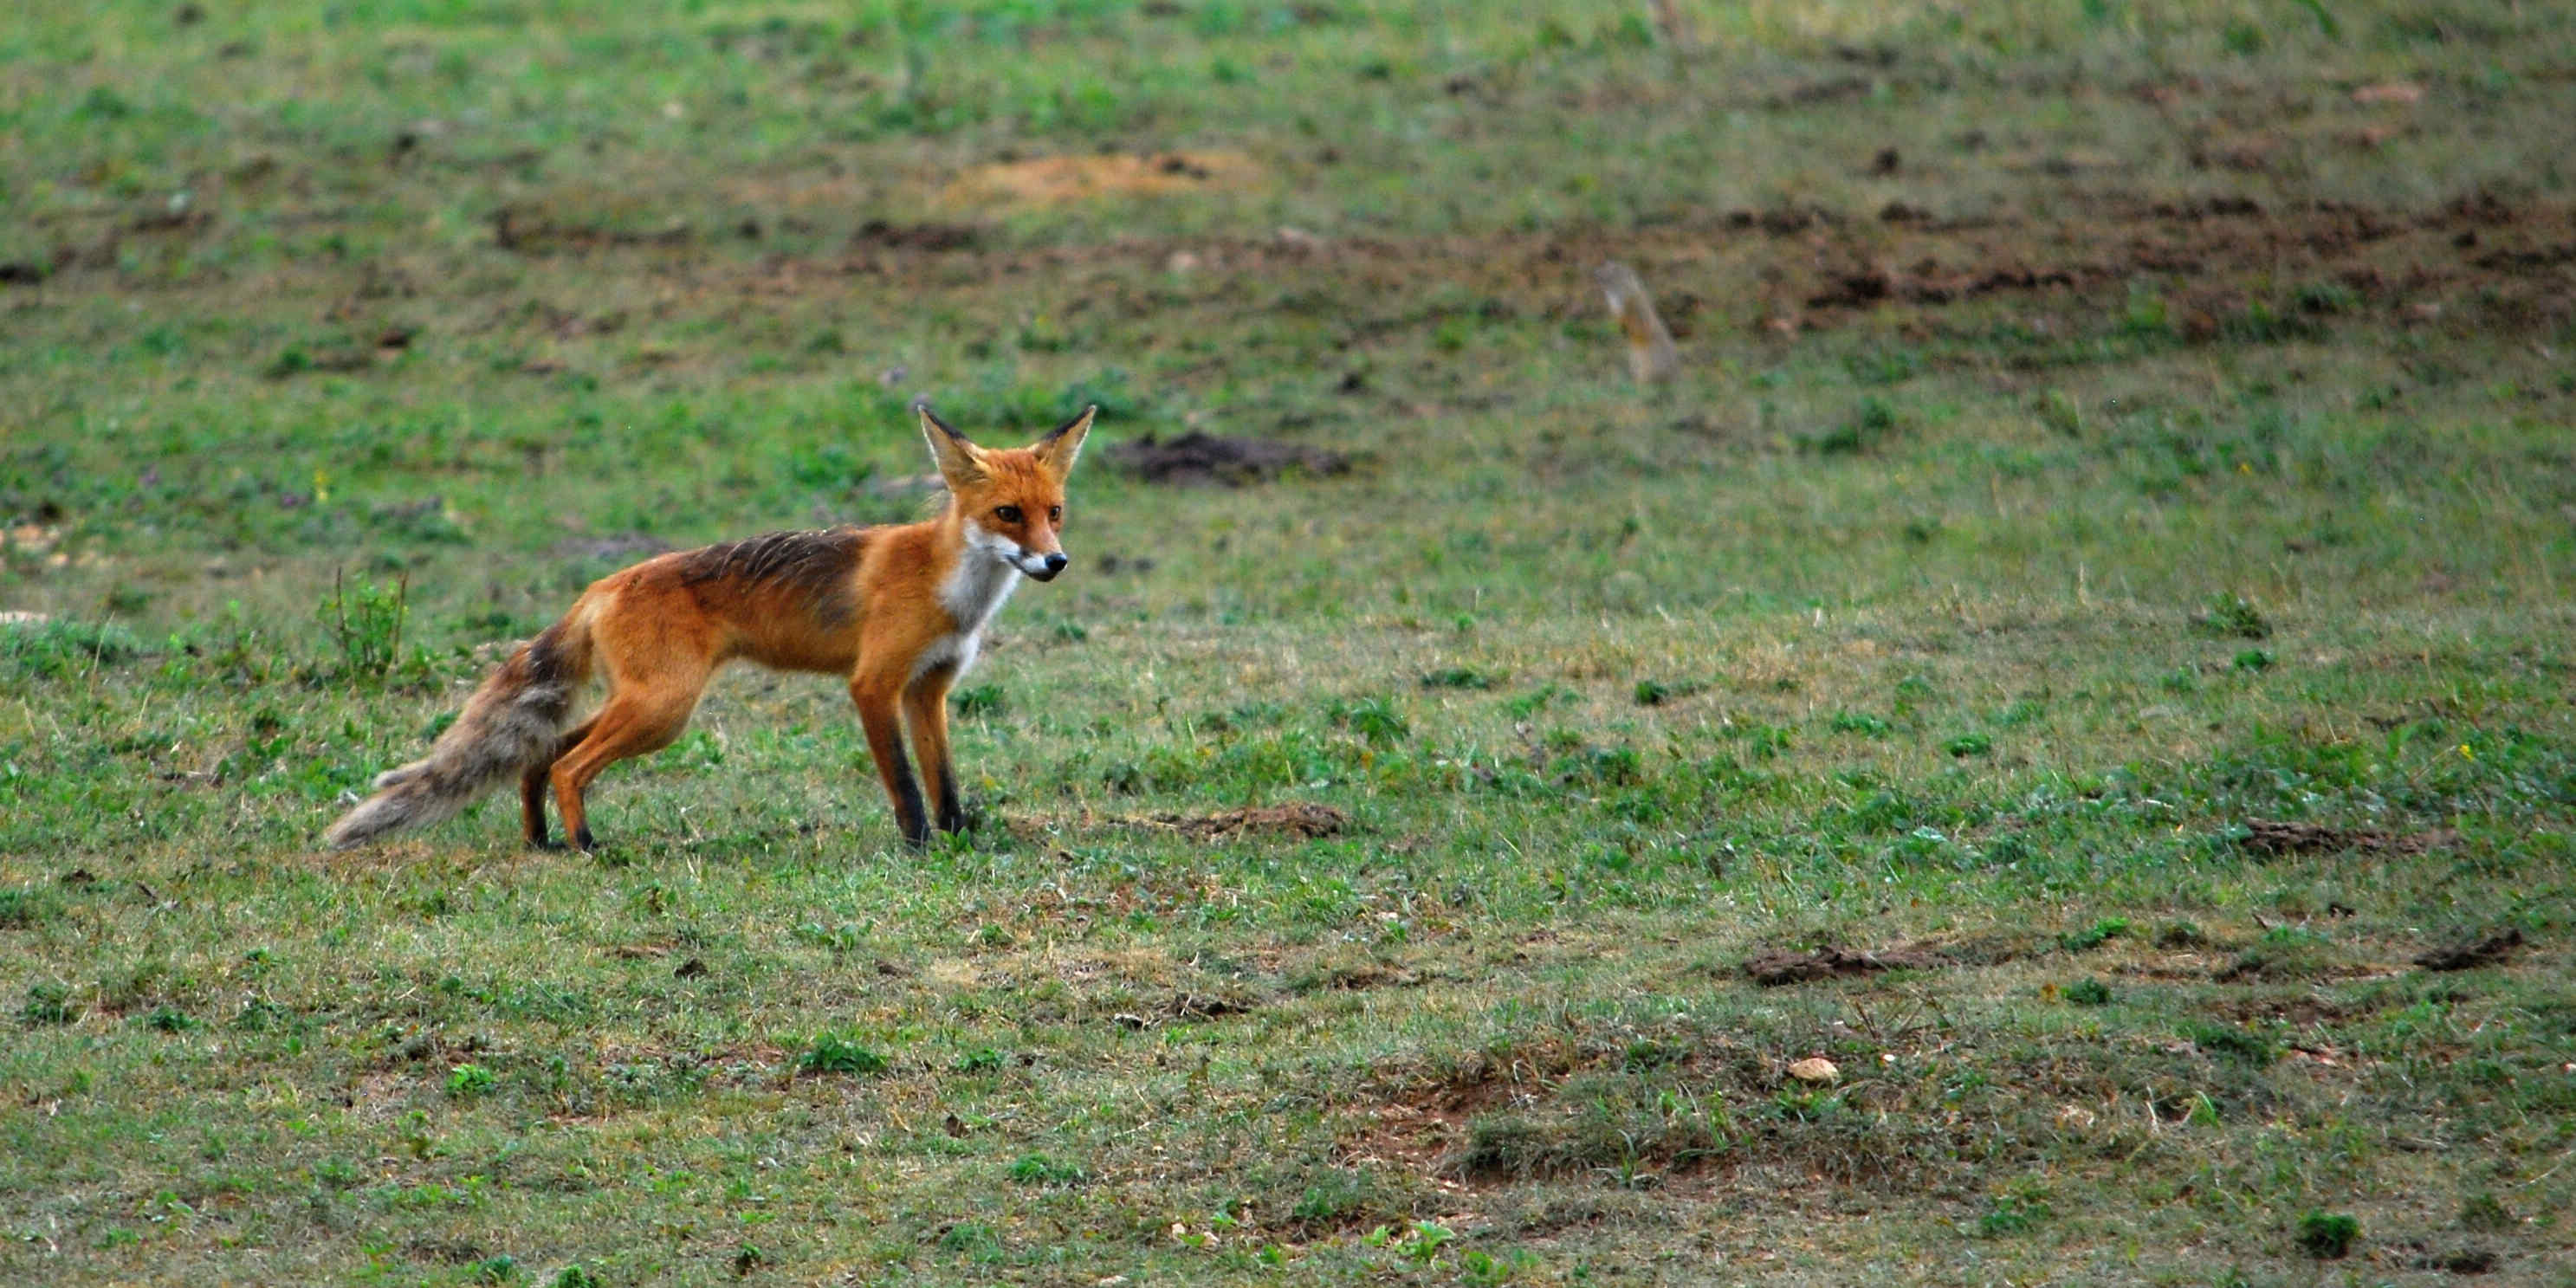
2485, 952
1049, 180
1301, 820
1201, 458
2281, 839
1780, 966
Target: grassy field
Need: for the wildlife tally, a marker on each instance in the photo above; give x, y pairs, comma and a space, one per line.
2085, 646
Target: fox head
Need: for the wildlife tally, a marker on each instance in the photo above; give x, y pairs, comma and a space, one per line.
1010, 500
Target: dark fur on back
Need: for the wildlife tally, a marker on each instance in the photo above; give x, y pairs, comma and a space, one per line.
513, 721
814, 563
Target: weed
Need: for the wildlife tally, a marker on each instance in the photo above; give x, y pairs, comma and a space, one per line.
2231, 617
1970, 744
2018, 1210
1870, 426
1655, 693
1039, 1169
47, 1003
365, 623
1867, 726
2484, 1212
2093, 936
2232, 1042
170, 1019
980, 1060
833, 1054
2327, 1236
2088, 992
1460, 677
22, 908
977, 700
1376, 719
468, 1080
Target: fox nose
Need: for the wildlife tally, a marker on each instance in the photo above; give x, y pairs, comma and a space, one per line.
1055, 563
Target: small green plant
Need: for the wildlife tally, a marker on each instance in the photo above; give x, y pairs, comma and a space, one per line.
1868, 726
1375, 719
832, 1054
576, 1276
977, 700
2089, 992
21, 907
2017, 1210
47, 1003
2232, 1042
1655, 693
2060, 412
365, 623
500, 1269
2327, 1235
2231, 617
170, 1019
2093, 936
1421, 1245
1039, 1169
1459, 677
2483, 1211
1871, 424
2254, 659
2179, 934
1970, 744
980, 1060
467, 1080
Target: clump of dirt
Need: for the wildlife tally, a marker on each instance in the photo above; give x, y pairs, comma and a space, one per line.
930, 237
1197, 457
1048, 180
2485, 952
2281, 839
530, 231
1302, 820
1780, 966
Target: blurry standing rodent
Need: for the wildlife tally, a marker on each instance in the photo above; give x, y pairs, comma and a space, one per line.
1651, 356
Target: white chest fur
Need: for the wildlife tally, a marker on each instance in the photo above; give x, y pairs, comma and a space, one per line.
973, 592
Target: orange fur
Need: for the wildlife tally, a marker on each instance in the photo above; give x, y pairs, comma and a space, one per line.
898, 609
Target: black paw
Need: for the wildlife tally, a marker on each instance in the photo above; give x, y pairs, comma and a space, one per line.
584, 841
546, 843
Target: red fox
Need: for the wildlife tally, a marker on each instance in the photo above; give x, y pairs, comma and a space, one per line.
897, 609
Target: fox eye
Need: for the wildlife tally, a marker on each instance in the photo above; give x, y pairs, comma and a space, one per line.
1055, 514
1007, 513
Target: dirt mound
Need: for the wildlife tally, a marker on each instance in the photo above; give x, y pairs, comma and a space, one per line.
2486, 952
1301, 820
2279, 839
1047, 180
1779, 966
930, 237
1197, 457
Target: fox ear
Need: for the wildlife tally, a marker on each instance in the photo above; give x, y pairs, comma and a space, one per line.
1062, 444
960, 462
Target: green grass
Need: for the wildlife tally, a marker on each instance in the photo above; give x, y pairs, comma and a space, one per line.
2156, 440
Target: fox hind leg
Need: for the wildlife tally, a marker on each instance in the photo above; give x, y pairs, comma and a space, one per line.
636, 721
532, 787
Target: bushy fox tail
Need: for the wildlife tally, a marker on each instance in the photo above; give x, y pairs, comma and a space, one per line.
513, 721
